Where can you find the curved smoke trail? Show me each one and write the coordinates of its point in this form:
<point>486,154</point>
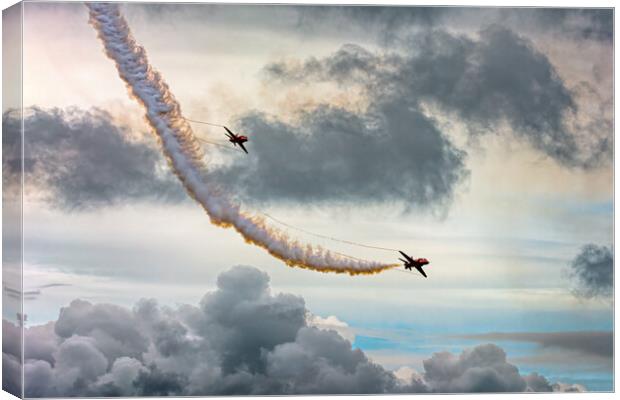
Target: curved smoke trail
<point>185,154</point>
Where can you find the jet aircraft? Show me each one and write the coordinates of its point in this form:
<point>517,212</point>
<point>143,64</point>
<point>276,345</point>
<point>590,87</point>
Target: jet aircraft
<point>236,139</point>
<point>414,263</point>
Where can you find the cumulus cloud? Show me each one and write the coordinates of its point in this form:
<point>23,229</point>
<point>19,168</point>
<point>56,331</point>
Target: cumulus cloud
<point>79,159</point>
<point>569,388</point>
<point>240,339</point>
<point>331,323</point>
<point>589,343</point>
<point>481,369</point>
<point>495,79</point>
<point>591,272</point>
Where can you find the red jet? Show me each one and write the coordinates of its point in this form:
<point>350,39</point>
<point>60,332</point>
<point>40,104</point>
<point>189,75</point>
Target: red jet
<point>411,263</point>
<point>236,139</point>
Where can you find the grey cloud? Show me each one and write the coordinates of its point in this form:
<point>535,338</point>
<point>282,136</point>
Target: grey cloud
<point>51,285</point>
<point>568,388</point>
<point>84,161</point>
<point>153,382</point>
<point>31,294</point>
<point>78,363</point>
<point>41,375</point>
<point>111,326</point>
<point>577,23</point>
<point>594,343</point>
<point>482,369</point>
<point>240,339</point>
<point>351,63</point>
<point>498,78</point>
<point>121,377</point>
<point>377,15</point>
<point>592,272</point>
<point>13,293</point>
<point>391,153</point>
<point>538,383</point>
<point>11,339</point>
<point>394,151</point>
<point>40,343</point>
<point>387,23</point>
<point>11,374</point>
<point>390,22</point>
<point>323,362</point>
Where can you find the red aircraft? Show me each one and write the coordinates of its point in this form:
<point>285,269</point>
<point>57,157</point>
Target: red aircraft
<point>411,263</point>
<point>236,139</point>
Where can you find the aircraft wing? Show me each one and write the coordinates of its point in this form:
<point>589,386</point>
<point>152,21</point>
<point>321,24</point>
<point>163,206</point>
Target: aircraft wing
<point>230,134</point>
<point>406,256</point>
<point>420,270</point>
<point>243,147</point>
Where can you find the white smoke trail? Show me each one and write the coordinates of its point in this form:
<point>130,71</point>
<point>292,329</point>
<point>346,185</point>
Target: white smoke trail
<point>185,155</point>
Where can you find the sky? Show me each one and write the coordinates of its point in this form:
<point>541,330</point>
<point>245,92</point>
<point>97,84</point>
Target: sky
<point>480,139</point>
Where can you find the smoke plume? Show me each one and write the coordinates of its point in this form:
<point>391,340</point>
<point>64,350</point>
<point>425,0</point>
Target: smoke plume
<point>185,155</point>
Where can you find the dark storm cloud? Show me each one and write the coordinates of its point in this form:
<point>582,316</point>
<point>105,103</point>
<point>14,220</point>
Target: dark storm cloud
<point>386,22</point>
<point>82,161</point>
<point>393,153</point>
<point>593,343</point>
<point>592,272</point>
<point>394,150</point>
<point>390,22</point>
<point>240,339</point>
<point>577,23</point>
<point>486,82</point>
<point>85,161</point>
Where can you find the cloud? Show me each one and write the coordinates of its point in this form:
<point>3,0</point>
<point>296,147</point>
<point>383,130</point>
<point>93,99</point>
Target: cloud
<point>11,374</point>
<point>334,155</point>
<point>568,388</point>
<point>331,323</point>
<point>31,294</point>
<point>106,324</point>
<point>240,339</point>
<point>11,339</point>
<point>390,152</point>
<point>591,272</point>
<point>394,150</point>
<point>79,159</point>
<point>576,24</point>
<point>482,369</point>
<point>495,79</point>
<point>590,343</point>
